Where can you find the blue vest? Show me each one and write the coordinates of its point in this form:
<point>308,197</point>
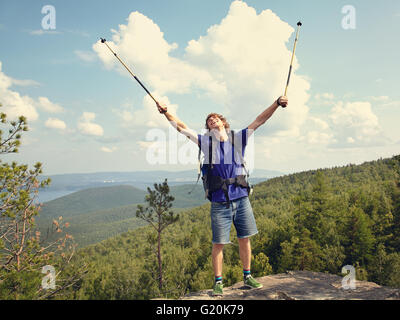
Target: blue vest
<point>224,175</point>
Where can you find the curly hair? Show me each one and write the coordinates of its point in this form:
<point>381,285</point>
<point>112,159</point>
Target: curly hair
<point>221,117</point>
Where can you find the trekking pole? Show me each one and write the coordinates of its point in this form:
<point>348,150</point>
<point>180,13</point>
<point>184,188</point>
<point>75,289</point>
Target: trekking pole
<point>133,75</point>
<point>299,24</point>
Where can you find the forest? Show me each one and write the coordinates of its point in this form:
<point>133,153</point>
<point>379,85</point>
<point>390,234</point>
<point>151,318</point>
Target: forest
<point>318,220</point>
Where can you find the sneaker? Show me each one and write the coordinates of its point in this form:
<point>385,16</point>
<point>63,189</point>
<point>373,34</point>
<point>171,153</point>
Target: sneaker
<point>218,289</point>
<point>252,283</point>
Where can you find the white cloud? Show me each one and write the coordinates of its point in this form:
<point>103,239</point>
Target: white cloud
<point>391,104</point>
<point>151,61</point>
<point>328,96</point>
<point>140,120</point>
<point>88,117</point>
<point>354,123</point>
<point>15,105</point>
<point>350,140</point>
<point>108,150</point>
<point>380,98</point>
<point>78,32</point>
<point>55,123</point>
<point>144,145</point>
<point>228,64</point>
<point>87,127</point>
<point>384,101</point>
<point>254,75</point>
<point>316,131</point>
<point>150,116</point>
<point>40,32</point>
<point>324,96</point>
<point>87,56</point>
<point>321,124</point>
<point>348,124</point>
<point>320,138</point>
<point>323,99</point>
<point>45,104</point>
<point>25,83</point>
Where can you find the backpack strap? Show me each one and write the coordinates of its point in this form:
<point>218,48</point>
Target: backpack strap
<point>210,151</point>
<point>199,168</point>
<point>239,153</point>
<point>243,162</point>
<point>209,170</point>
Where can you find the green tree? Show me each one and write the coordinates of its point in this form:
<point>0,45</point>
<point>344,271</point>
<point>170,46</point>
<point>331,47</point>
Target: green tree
<point>301,253</point>
<point>10,143</point>
<point>392,270</point>
<point>360,240</point>
<point>261,266</point>
<point>23,253</point>
<point>315,211</point>
<point>159,216</point>
<point>378,264</point>
<point>395,243</point>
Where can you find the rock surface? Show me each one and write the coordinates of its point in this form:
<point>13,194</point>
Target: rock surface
<point>301,285</point>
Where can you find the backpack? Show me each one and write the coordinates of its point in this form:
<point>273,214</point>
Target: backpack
<point>213,183</point>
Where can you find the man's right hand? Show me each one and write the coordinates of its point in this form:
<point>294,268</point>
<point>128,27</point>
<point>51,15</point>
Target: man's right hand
<point>162,108</point>
<point>282,101</point>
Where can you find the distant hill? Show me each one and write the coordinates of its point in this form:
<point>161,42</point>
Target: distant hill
<point>91,200</point>
<point>63,184</point>
<point>96,214</point>
<point>108,207</point>
<point>93,227</point>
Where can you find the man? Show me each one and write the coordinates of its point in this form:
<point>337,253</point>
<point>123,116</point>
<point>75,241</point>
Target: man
<point>231,204</point>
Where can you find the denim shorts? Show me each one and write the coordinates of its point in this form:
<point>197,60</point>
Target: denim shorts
<point>239,212</point>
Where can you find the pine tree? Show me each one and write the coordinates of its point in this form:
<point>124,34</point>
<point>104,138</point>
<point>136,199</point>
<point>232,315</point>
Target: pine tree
<point>158,215</point>
<point>315,211</point>
<point>395,243</point>
<point>23,253</point>
<point>360,238</point>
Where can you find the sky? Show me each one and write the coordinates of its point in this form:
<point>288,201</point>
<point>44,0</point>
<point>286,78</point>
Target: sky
<point>87,114</point>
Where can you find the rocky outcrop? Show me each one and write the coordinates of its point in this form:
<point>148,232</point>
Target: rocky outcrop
<point>301,285</point>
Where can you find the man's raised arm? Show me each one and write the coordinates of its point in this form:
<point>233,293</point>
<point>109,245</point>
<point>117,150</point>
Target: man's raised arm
<point>267,113</point>
<point>178,124</point>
